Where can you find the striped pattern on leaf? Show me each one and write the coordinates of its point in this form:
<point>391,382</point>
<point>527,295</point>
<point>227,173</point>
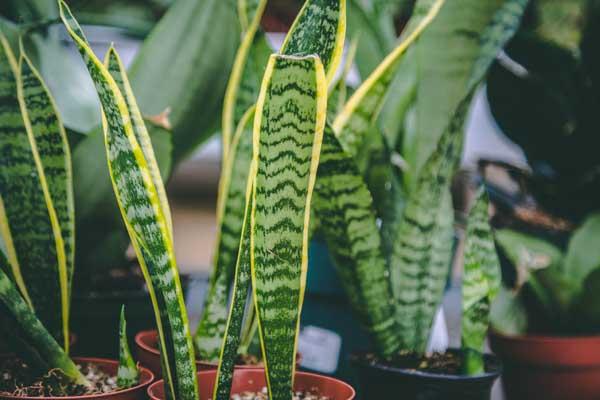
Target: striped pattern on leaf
<point>128,374</point>
<point>148,229</point>
<point>420,259</point>
<point>319,28</point>
<point>481,282</point>
<point>353,123</point>
<point>29,227</point>
<point>251,12</point>
<point>344,207</point>
<point>32,331</point>
<point>288,129</point>
<point>117,71</point>
<point>241,285</point>
<point>230,217</point>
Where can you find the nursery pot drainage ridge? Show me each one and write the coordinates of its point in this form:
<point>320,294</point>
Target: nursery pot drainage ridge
<point>253,380</point>
<point>147,353</point>
<point>137,392</point>
<point>379,380</point>
<point>551,368</point>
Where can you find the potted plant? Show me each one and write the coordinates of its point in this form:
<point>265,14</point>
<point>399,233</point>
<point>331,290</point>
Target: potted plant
<point>384,249</point>
<point>36,262</point>
<point>545,321</point>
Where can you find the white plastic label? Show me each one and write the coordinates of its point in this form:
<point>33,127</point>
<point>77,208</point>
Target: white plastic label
<point>319,348</point>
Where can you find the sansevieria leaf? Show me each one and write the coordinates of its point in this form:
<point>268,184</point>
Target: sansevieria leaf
<point>353,122</point>
<point>319,28</point>
<point>30,226</point>
<point>251,12</point>
<point>481,282</point>
<point>344,207</point>
<point>241,285</point>
<point>146,223</point>
<point>288,129</point>
<point>128,374</point>
<point>32,332</point>
<point>230,217</point>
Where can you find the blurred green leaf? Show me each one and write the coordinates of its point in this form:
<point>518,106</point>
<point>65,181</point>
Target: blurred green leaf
<point>583,253</point>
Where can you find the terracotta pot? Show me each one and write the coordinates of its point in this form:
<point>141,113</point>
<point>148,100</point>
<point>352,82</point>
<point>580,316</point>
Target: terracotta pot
<point>551,368</point>
<point>377,381</point>
<point>146,344</point>
<point>110,366</point>
<point>253,380</point>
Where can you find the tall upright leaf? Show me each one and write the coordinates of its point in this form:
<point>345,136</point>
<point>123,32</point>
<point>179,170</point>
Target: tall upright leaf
<point>29,223</point>
<point>288,129</point>
<point>32,332</point>
<point>186,58</point>
<point>353,122</point>
<point>343,205</point>
<point>148,228</point>
<point>481,283</point>
<point>230,217</point>
<point>128,374</point>
<point>250,15</point>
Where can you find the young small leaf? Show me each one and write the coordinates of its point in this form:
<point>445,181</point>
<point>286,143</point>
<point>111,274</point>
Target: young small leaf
<point>128,374</point>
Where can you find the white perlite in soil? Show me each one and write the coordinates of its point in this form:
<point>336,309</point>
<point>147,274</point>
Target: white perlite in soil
<point>263,395</point>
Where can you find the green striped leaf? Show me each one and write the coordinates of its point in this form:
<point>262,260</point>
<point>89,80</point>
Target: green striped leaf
<point>128,374</point>
<point>288,129</point>
<point>241,285</point>
<point>32,331</point>
<point>319,28</point>
<point>29,223</point>
<point>481,282</point>
<point>145,221</point>
<point>230,217</point>
<point>361,110</point>
<point>344,207</point>
<point>250,13</point>
<point>117,71</point>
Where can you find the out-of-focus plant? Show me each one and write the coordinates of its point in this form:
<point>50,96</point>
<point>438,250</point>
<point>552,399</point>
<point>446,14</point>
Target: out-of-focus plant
<point>554,291</point>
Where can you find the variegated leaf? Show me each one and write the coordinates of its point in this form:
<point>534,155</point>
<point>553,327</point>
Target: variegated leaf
<point>148,228</point>
<point>353,123</point>
<point>230,217</point>
<point>32,332</point>
<point>481,282</point>
<point>288,129</point>
<point>128,374</point>
<point>344,206</point>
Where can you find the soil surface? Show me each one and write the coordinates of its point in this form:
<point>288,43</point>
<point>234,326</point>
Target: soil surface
<point>18,379</point>
<point>247,359</point>
<point>303,395</point>
<point>448,363</point>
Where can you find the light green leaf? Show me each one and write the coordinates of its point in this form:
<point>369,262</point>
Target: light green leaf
<point>583,253</point>
<point>288,129</point>
<point>148,228</point>
<point>128,374</point>
<point>186,59</point>
<point>343,205</point>
<point>480,284</point>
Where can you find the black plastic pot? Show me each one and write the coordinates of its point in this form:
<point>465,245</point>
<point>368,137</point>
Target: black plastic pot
<point>378,381</point>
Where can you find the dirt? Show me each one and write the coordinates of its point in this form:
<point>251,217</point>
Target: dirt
<point>18,379</point>
<point>247,359</point>
<point>300,395</point>
<point>448,363</point>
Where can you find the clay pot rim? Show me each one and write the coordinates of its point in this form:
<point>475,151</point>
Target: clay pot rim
<point>146,377</point>
<point>140,341</point>
<point>359,359</point>
<point>202,374</point>
<point>548,339</point>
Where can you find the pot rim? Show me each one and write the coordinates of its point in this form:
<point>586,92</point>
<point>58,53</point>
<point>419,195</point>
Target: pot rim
<point>261,370</point>
<point>146,379</point>
<point>545,338</point>
<point>359,358</point>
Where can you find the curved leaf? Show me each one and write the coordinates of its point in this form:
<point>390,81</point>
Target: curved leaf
<point>148,229</point>
<point>288,129</point>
